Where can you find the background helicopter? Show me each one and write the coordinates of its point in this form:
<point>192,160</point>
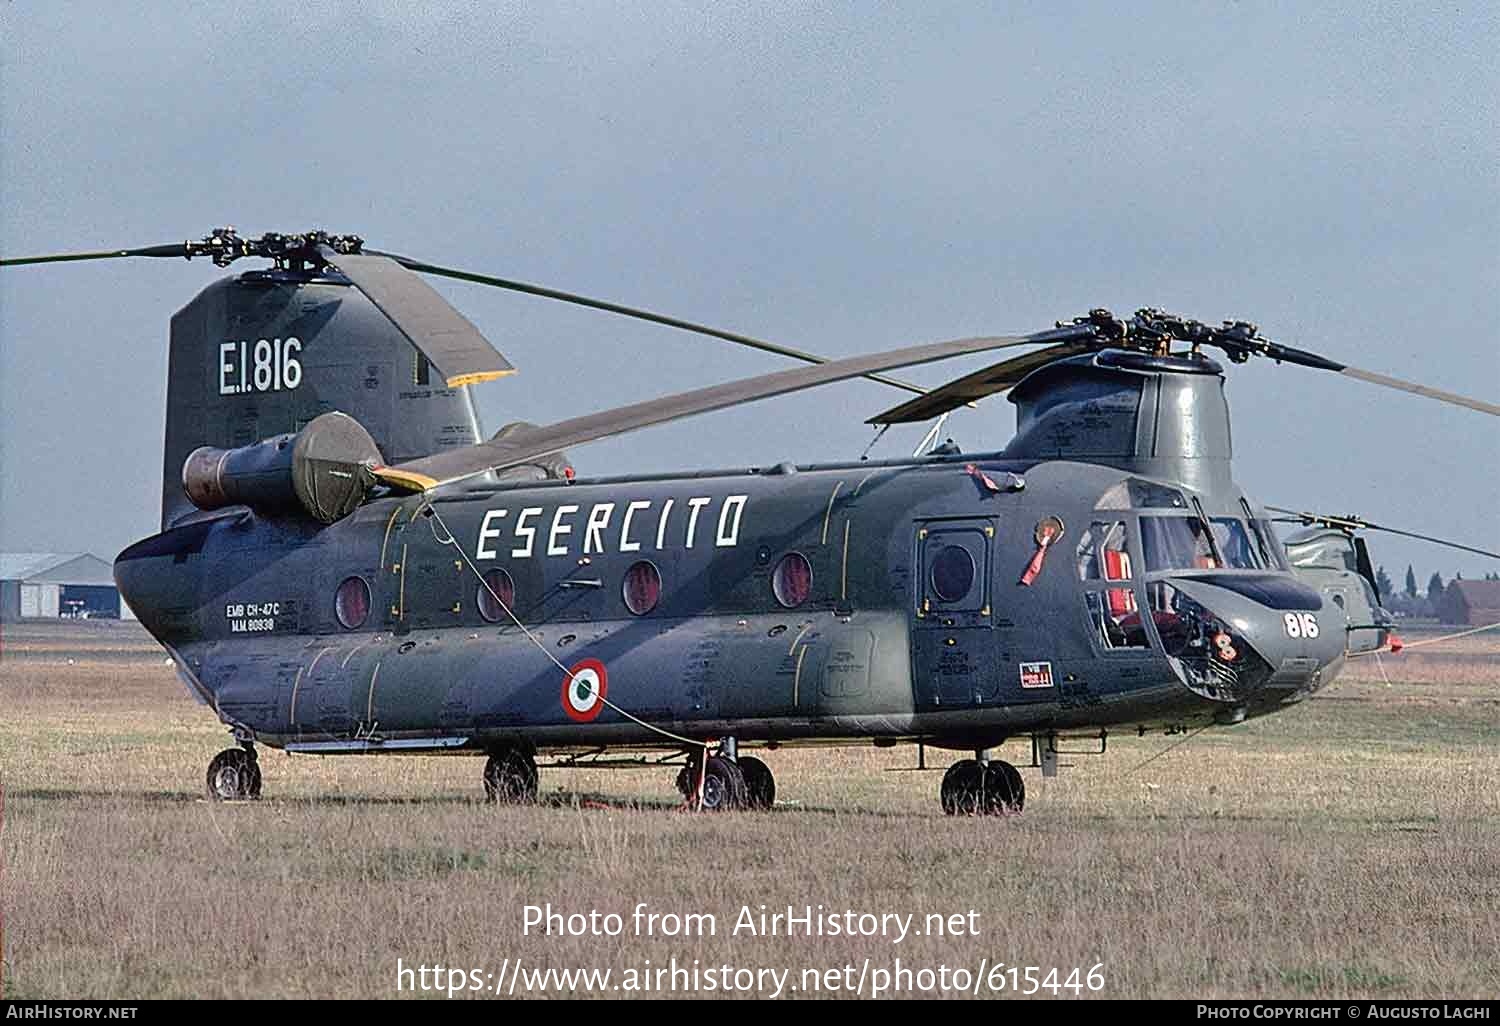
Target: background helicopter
<point>347,568</point>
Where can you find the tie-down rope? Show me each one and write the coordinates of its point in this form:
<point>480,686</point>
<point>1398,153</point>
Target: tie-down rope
<point>573,679</point>
<point>1432,641</point>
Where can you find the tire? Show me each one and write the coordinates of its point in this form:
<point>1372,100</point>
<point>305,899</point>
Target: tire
<point>760,785</point>
<point>233,776</point>
<point>723,786</point>
<point>1004,790</point>
<point>963,788</point>
<point>510,778</point>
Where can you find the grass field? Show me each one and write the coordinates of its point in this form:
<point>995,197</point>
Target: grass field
<point>1348,847</point>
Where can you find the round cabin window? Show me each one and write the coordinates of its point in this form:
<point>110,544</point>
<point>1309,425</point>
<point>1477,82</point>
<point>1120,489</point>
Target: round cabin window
<point>497,593</point>
<point>952,573</point>
<point>791,582</point>
<point>642,588</point>
<point>351,604</point>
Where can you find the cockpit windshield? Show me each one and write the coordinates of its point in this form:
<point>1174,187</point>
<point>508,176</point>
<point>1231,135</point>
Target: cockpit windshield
<point>1180,543</point>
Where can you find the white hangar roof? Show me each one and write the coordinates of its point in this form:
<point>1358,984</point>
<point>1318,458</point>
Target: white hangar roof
<point>55,568</point>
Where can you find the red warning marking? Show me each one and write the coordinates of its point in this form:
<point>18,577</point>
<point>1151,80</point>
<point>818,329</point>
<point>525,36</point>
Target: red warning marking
<point>584,689</point>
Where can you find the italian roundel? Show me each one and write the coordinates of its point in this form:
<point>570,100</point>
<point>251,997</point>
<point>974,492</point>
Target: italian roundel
<point>584,689</point>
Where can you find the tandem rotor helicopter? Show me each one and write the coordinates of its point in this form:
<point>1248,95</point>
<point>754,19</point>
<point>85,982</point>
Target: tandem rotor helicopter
<point>345,565</point>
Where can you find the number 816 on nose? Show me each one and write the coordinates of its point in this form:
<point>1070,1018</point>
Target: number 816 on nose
<point>1301,625</point>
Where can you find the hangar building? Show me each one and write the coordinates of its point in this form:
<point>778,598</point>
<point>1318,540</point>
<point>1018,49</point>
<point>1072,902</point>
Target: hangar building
<point>54,585</point>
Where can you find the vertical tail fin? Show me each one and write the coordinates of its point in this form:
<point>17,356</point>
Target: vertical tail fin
<point>264,353</point>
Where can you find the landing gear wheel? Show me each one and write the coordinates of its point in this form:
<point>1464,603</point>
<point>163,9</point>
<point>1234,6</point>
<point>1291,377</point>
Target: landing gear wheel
<point>962,792</point>
<point>760,786</point>
<point>723,785</point>
<point>510,778</point>
<point>1004,790</point>
<point>974,789</point>
<point>233,775</point>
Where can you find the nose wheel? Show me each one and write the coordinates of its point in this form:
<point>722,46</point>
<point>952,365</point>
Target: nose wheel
<point>972,788</point>
<point>234,775</point>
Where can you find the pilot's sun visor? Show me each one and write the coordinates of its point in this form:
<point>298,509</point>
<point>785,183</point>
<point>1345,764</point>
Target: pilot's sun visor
<point>1271,590</point>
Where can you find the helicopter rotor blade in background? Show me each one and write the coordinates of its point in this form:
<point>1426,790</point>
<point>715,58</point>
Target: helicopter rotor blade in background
<point>628,311</point>
<point>448,339</point>
<point>1357,524</point>
<point>970,388</point>
<point>527,446</point>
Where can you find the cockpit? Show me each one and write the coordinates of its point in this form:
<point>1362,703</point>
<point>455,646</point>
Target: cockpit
<point>1157,571</point>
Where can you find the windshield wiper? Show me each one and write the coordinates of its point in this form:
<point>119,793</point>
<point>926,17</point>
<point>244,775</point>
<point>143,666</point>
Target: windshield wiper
<point>1208,532</point>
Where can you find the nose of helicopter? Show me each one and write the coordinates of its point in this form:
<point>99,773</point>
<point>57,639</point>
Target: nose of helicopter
<point>1255,640</point>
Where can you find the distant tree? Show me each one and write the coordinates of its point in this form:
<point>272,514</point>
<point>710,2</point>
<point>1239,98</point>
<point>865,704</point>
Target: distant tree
<point>1411,582</point>
<point>1434,588</point>
<point>1492,577</point>
<point>1383,583</point>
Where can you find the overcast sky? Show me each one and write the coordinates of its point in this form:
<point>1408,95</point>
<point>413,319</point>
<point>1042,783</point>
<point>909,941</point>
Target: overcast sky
<point>839,177</point>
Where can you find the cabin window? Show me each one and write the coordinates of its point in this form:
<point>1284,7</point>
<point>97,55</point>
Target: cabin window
<point>952,573</point>
<point>642,587</point>
<point>791,582</point>
<point>351,603</point>
<point>497,593</point>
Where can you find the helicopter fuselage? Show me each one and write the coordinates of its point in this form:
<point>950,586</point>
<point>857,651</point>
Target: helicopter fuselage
<point>924,600</point>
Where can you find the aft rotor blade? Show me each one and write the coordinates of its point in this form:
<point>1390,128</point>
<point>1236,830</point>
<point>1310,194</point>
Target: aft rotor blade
<point>994,378</point>
<point>527,446</point>
<point>630,311</point>
<point>448,339</point>
<point>175,249</point>
<point>1357,524</point>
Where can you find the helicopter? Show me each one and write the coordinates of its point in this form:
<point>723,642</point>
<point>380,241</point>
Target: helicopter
<point>347,566</point>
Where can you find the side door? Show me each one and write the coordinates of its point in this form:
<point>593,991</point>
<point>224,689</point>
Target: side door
<point>954,658</point>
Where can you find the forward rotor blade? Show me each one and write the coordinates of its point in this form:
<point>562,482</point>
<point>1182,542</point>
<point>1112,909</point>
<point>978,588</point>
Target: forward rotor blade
<point>1287,354</point>
<point>176,249</point>
<point>994,378</point>
<point>1431,393</point>
<point>524,447</point>
<point>448,339</point>
<point>1356,524</point>
<point>628,311</point>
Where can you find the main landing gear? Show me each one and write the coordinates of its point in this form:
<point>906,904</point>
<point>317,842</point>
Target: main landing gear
<point>234,775</point>
<point>727,781</point>
<point>982,787</point>
<point>510,777</point>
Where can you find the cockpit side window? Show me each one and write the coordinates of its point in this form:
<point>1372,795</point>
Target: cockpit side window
<point>1104,557</point>
<point>1102,553</point>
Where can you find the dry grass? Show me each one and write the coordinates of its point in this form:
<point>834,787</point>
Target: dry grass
<point>1350,847</point>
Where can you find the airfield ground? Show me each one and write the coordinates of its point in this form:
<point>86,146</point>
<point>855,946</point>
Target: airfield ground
<point>1348,847</point>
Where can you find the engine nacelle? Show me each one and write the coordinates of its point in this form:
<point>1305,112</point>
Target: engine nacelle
<point>323,471</point>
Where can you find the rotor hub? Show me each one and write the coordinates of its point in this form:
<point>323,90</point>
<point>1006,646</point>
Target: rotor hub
<point>290,252</point>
